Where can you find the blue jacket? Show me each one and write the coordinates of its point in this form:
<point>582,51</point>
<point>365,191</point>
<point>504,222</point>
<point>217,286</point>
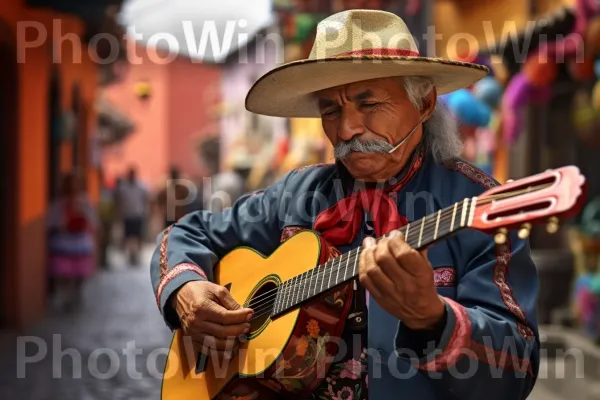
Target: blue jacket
<point>489,346</point>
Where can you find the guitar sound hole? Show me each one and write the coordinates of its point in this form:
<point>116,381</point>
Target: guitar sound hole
<point>262,303</point>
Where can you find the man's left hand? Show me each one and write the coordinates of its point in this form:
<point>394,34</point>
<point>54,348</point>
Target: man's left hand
<point>400,279</point>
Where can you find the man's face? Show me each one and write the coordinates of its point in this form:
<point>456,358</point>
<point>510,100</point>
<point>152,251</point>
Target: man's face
<point>377,112</point>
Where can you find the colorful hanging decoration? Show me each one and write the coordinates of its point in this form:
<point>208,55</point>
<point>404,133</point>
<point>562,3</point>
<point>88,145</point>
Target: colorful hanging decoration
<point>489,91</point>
<point>516,96</point>
<point>539,71</point>
<point>468,109</point>
<point>583,70</point>
<point>572,44</point>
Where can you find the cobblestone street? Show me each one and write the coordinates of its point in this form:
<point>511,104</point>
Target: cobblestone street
<point>119,310</point>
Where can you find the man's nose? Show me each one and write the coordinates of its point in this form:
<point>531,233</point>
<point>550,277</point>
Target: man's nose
<point>351,124</point>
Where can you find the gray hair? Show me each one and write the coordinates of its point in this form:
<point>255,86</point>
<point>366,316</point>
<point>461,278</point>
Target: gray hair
<point>440,131</point>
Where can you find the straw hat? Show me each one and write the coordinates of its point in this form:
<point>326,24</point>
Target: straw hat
<point>353,46</point>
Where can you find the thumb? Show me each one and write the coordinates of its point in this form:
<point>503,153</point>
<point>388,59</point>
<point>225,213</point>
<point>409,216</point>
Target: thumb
<point>227,301</point>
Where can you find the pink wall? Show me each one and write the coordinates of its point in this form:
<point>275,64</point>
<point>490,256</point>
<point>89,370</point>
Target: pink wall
<point>194,91</point>
<point>168,124</point>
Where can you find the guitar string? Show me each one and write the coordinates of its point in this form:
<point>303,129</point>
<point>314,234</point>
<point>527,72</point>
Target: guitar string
<point>426,230</point>
<point>315,277</point>
<point>484,201</point>
<point>320,275</point>
<point>322,271</point>
<point>429,227</point>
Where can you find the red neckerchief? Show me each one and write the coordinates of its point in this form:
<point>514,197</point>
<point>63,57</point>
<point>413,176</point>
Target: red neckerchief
<point>340,223</point>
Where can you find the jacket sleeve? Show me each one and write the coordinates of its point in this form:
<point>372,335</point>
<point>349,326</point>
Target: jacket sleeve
<point>189,249</point>
<point>489,346</point>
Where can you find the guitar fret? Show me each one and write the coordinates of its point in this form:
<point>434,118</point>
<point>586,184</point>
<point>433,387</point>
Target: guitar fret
<point>453,217</point>
<point>323,277</point>
<point>421,232</point>
<point>337,275</point>
<point>472,213</point>
<point>464,212</point>
<point>330,273</point>
<point>316,279</point>
<point>346,267</point>
<point>306,281</point>
<point>355,263</point>
<point>309,279</point>
<point>281,296</point>
<point>290,296</point>
<point>299,283</point>
<point>437,224</point>
<point>406,234</point>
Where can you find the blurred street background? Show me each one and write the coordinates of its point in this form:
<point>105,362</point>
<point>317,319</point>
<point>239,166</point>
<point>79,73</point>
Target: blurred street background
<point>107,101</point>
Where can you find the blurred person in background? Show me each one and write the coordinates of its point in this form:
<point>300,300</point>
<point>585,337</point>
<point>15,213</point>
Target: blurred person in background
<point>173,200</point>
<point>220,189</point>
<point>107,215</point>
<point>71,224</point>
<point>133,202</point>
<point>457,320</point>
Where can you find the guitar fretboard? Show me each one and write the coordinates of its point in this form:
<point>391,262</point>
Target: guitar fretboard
<point>418,234</point>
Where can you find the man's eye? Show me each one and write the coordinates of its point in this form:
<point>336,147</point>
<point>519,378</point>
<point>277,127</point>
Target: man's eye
<point>329,112</point>
<point>368,104</point>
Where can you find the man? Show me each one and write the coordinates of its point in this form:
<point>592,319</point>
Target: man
<point>132,205</point>
<point>455,322</point>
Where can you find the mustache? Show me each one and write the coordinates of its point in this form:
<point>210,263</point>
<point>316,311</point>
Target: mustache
<point>343,149</point>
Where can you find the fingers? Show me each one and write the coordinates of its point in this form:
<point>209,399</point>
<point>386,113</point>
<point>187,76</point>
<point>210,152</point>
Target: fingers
<point>407,258</point>
<point>369,272</point>
<point>225,298</point>
<point>216,313</point>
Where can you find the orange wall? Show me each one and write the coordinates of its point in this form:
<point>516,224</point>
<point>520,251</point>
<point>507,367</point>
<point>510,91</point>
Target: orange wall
<point>193,91</point>
<point>34,76</point>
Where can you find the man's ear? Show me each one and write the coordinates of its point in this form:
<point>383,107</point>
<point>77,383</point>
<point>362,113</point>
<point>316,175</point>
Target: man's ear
<point>429,104</point>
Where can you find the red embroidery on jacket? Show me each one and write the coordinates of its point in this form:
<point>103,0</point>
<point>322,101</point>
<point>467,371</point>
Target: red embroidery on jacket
<point>163,262</point>
<point>471,172</point>
<point>460,344</point>
<point>290,231</point>
<point>503,251</point>
<point>172,273</point>
<point>500,279</point>
<point>444,277</point>
<point>459,341</point>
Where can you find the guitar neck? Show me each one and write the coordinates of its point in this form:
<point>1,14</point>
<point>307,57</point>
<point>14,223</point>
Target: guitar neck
<point>418,234</point>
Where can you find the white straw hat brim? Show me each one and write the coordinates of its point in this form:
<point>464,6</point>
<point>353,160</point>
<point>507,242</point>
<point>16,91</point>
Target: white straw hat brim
<point>288,91</point>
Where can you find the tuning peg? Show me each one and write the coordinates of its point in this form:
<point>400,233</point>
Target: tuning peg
<point>552,226</point>
<point>500,236</point>
<point>524,231</point>
<point>510,180</point>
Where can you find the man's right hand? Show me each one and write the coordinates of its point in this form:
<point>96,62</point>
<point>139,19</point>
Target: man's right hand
<point>210,316</point>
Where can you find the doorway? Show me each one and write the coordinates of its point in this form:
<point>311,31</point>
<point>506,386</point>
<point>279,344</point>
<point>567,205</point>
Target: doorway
<point>9,151</point>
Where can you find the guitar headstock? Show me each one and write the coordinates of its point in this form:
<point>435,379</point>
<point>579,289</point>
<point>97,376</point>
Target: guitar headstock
<point>543,198</point>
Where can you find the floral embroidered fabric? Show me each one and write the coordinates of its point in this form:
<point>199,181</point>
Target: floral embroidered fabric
<point>347,378</point>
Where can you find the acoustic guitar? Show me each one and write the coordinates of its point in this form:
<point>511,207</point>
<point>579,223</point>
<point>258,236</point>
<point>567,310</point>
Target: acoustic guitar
<point>301,293</point>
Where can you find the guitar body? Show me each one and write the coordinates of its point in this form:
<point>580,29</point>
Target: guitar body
<point>284,357</point>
